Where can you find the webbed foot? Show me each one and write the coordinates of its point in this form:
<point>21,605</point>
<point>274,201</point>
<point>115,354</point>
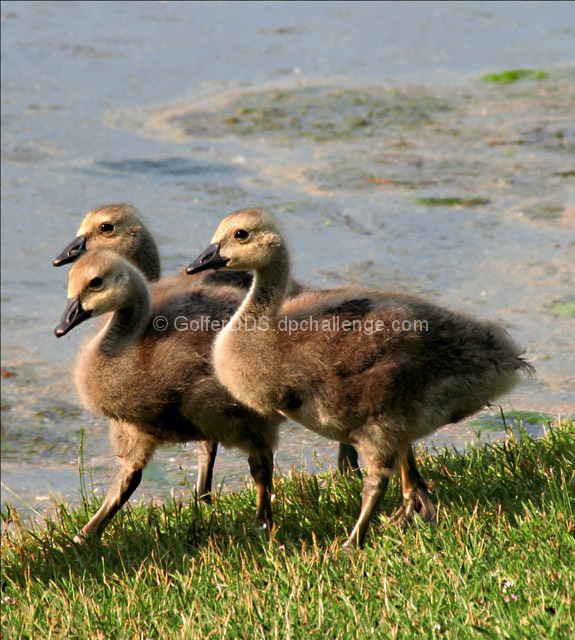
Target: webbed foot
<point>417,501</point>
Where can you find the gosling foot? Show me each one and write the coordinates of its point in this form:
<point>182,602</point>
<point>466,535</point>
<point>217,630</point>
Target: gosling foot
<point>206,498</point>
<point>348,547</point>
<point>82,538</point>
<point>418,501</point>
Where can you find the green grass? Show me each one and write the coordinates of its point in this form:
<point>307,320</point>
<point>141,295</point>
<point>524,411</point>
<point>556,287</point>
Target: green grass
<point>514,75</point>
<point>499,564</point>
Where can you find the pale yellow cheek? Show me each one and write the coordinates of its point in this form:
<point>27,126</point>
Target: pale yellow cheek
<point>271,240</point>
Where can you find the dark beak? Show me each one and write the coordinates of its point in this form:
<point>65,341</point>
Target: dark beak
<point>73,315</point>
<point>74,250</point>
<point>208,259</point>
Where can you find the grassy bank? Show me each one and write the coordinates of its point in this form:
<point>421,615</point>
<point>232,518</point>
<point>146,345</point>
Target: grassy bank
<point>499,564</point>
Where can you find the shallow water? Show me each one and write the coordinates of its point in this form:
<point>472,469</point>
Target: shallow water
<point>364,126</point>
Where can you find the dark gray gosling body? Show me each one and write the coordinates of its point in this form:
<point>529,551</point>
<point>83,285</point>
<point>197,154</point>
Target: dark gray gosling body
<point>378,389</point>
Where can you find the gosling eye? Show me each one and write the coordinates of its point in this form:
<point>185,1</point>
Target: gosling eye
<point>106,227</point>
<point>241,234</point>
<point>95,283</point>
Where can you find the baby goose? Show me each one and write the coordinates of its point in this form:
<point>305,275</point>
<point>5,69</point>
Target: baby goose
<point>119,227</point>
<point>372,369</point>
<point>157,386</point>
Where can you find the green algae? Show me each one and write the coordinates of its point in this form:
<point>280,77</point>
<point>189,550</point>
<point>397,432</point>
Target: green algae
<point>452,202</point>
<point>320,114</point>
<point>563,309</point>
<point>514,75</point>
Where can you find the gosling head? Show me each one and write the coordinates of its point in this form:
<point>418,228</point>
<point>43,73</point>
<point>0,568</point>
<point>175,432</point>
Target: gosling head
<point>246,240</point>
<point>116,227</point>
<point>98,283</point>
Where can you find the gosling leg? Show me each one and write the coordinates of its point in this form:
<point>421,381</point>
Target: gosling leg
<point>206,458</point>
<point>415,493</point>
<point>348,460</point>
<point>262,469</point>
<point>133,450</point>
<point>373,491</point>
<point>123,486</point>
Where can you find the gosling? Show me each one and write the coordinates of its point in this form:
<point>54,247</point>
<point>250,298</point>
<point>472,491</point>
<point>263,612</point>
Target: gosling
<point>157,386</point>
<point>379,390</point>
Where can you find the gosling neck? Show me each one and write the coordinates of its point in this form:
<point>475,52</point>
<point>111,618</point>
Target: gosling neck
<point>269,288</point>
<point>128,323</point>
<point>147,258</point>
